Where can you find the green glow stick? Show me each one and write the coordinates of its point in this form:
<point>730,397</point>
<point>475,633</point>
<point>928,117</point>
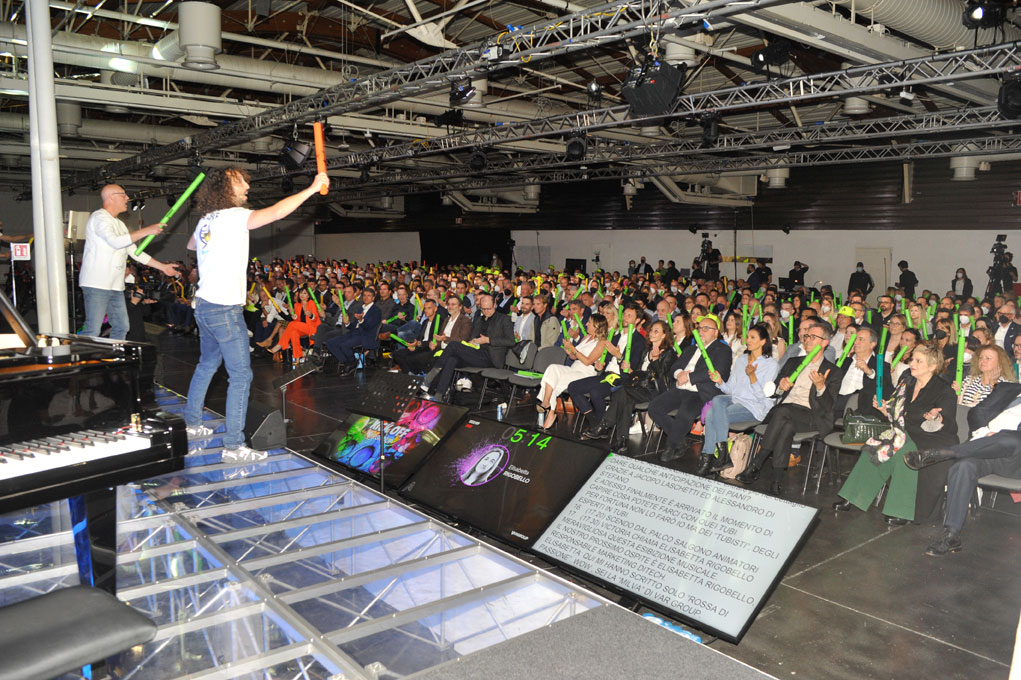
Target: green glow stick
<point>882,341</point>
<point>627,348</point>
<point>398,339</point>
<point>908,317</point>
<point>879,379</point>
<point>705,355</point>
<point>868,316</point>
<point>805,362</point>
<point>563,326</point>
<point>393,318</point>
<point>790,331</point>
<point>581,327</point>
<point>436,326</point>
<point>900,355</point>
<point>847,349</point>
<point>312,295</point>
<point>961,343</point>
<point>470,344</point>
<point>289,303</point>
<point>173,209</point>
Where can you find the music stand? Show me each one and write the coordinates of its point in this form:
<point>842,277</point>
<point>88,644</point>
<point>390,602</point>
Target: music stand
<point>286,379</point>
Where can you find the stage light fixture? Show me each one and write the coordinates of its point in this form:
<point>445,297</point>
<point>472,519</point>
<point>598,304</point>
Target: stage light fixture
<point>787,229</point>
<point>777,53</point>
<point>710,131</point>
<point>1008,101</point>
<point>478,161</point>
<point>450,118</point>
<point>693,229</point>
<point>461,92</point>
<point>983,14</point>
<point>294,154</point>
<point>595,90</point>
<point>577,147</point>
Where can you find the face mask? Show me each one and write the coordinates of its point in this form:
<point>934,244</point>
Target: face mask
<point>730,288</point>
<point>960,275</point>
<point>964,319</point>
<point>826,309</point>
<point>762,290</point>
<point>985,310</point>
<point>967,357</point>
<point>898,297</point>
<point>784,314</point>
<point>1003,318</point>
<point>860,269</point>
<point>939,335</point>
<point>129,279</point>
<point>673,288</point>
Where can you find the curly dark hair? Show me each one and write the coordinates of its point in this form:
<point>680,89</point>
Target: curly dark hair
<point>217,190</point>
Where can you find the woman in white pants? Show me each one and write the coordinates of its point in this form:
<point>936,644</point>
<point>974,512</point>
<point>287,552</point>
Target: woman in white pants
<point>586,353</point>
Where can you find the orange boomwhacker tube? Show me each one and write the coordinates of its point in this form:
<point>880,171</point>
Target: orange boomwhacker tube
<point>317,131</point>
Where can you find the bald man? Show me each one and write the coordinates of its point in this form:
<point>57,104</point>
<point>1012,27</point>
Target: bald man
<point>108,243</point>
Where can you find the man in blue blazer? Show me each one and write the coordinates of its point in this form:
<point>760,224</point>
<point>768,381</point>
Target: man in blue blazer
<point>366,327</point>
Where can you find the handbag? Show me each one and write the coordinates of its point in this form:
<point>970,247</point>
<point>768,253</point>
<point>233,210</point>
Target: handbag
<point>859,428</point>
<point>740,455</point>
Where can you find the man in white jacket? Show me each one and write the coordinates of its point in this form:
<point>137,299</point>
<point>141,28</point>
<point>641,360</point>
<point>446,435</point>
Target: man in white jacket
<point>108,243</point>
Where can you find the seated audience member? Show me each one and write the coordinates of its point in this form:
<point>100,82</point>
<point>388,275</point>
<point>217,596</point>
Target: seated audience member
<point>922,412</point>
<point>772,323</point>
<point>589,394</point>
<point>417,357</point>
<point>547,323</point>
<point>743,398</point>
<point>306,321</point>
<point>994,448</point>
<point>491,334</point>
<point>992,367</point>
<point>650,376</point>
<point>456,327</point>
<point>683,331</point>
<point>693,387</point>
<point>909,339</point>
<point>526,324</point>
<point>363,333</point>
<point>897,324</point>
<point>1007,327</point>
<point>271,322</point>
<point>732,333</point>
<point>584,355</point>
<point>805,405</point>
<point>859,372</point>
<point>338,317</point>
<point>796,351</point>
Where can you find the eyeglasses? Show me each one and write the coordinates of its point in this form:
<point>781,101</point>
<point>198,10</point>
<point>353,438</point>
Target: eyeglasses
<point>120,193</point>
<point>707,328</point>
<point>817,337</point>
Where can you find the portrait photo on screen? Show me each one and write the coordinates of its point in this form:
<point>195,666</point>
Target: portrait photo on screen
<point>507,481</point>
<point>358,441</point>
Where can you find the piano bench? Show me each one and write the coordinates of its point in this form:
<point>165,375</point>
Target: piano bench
<point>61,631</point>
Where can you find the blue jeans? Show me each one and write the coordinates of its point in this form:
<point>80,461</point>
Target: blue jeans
<point>722,413</point>
<point>223,337</point>
<point>101,303</point>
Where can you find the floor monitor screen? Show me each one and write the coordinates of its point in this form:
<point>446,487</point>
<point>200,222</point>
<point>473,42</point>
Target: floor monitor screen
<point>509,482</point>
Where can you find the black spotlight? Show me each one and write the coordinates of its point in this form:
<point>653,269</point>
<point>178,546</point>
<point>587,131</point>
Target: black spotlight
<point>450,118</point>
<point>294,154</point>
<point>693,229</point>
<point>137,204</point>
<point>577,146</point>
<point>710,131</point>
<point>983,14</point>
<point>478,161</point>
<point>777,53</point>
<point>461,91</point>
<point>594,90</point>
<point>787,229</point>
<point>1009,99</point>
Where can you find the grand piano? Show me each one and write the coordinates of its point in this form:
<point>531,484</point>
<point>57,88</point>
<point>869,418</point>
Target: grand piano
<point>78,416</point>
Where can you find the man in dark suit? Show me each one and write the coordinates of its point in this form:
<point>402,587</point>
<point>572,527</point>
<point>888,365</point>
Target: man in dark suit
<point>337,321</point>
<point>1008,327</point>
<point>807,404</point>
<point>366,326</point>
<point>417,357</point>
<point>993,449</point>
<point>693,388</point>
<point>859,372</point>
<point>491,336</point>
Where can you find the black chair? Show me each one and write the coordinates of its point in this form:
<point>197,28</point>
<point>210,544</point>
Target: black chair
<point>59,632</point>
<point>544,358</point>
<point>513,365</point>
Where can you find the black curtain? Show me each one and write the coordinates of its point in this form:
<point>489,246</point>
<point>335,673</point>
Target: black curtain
<point>465,246</point>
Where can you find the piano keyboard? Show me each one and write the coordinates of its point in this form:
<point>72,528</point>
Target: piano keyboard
<point>62,451</point>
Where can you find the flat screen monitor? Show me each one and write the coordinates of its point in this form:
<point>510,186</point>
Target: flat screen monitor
<point>357,442</point>
<point>507,481</point>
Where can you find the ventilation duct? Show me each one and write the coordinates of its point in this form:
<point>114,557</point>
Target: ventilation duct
<point>69,119</point>
<point>776,178</point>
<point>964,167</point>
<point>199,34</point>
<point>677,52</point>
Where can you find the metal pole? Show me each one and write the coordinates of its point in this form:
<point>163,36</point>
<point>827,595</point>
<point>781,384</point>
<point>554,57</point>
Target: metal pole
<point>42,294</point>
<point>40,45</point>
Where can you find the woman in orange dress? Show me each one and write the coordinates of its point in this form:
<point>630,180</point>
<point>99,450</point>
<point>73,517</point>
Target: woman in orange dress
<point>306,321</point>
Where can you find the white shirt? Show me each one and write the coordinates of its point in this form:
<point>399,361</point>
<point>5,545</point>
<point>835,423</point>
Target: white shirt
<point>448,329</point>
<point>107,247</point>
<point>1006,420</point>
<point>1001,333</point>
<point>221,243</point>
<point>854,378</point>
<point>689,386</point>
<point>614,365</point>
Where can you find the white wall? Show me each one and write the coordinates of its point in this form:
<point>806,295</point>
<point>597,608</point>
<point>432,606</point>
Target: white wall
<point>370,247</point>
<point>933,255</point>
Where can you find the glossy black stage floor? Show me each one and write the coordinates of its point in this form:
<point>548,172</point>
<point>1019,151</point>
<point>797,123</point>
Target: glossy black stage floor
<point>861,600</point>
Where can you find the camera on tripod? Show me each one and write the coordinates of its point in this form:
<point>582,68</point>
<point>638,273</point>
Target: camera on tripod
<point>998,270</point>
<point>708,259</point>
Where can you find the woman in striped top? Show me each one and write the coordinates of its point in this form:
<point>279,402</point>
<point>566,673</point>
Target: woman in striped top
<point>993,366</point>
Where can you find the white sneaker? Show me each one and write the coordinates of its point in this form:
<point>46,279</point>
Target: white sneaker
<point>244,453</point>
<point>199,432</point>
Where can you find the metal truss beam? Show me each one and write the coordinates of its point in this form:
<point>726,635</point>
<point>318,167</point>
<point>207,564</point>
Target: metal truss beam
<point>778,139</point>
<point>570,33</point>
<point>706,164</point>
<point>940,68</point>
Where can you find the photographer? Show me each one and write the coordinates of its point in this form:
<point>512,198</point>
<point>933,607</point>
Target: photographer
<point>135,298</point>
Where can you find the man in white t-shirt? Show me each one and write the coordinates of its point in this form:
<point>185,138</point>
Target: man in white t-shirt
<point>108,243</point>
<point>221,243</point>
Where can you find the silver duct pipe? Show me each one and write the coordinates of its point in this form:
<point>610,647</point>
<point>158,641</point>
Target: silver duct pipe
<point>47,141</point>
<point>933,22</point>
